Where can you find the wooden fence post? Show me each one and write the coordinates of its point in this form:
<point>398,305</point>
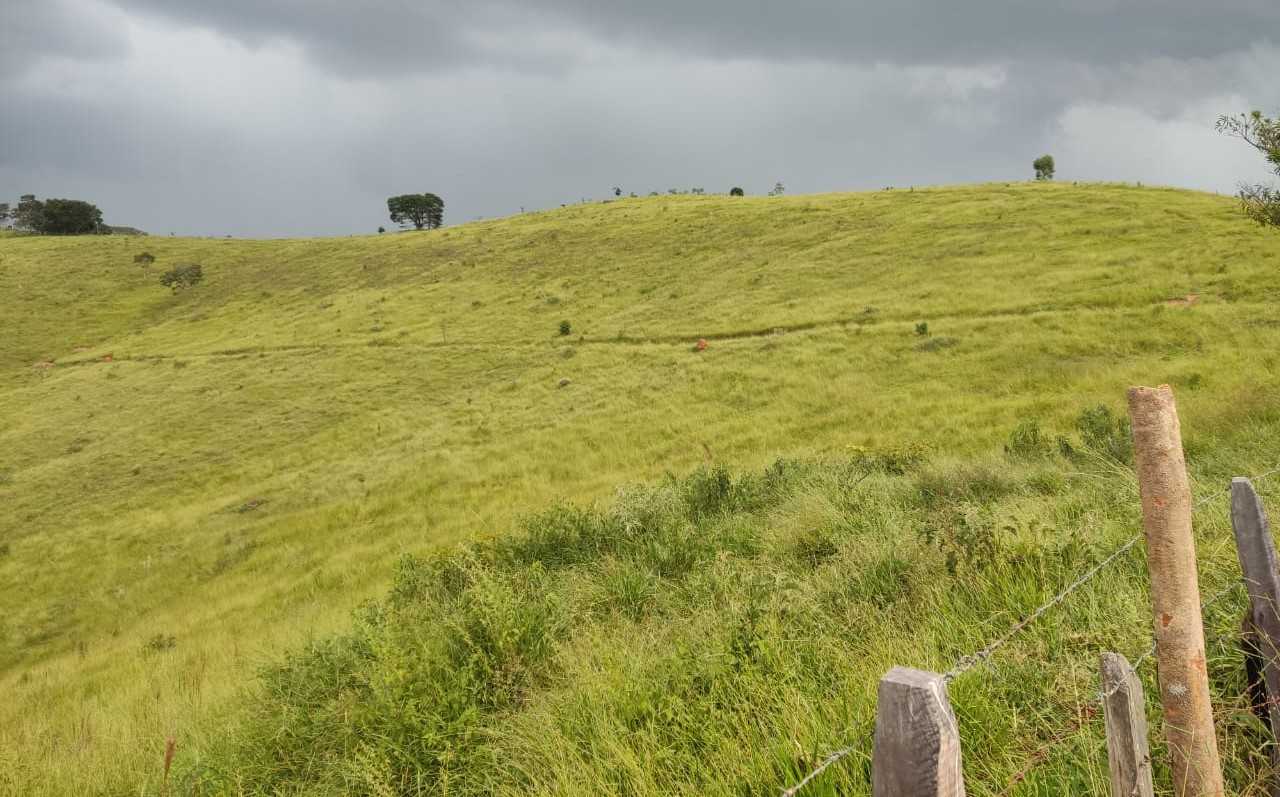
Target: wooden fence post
<point>1175,593</point>
<point>1126,713</point>
<point>1251,650</point>
<point>917,743</point>
<point>1257,553</point>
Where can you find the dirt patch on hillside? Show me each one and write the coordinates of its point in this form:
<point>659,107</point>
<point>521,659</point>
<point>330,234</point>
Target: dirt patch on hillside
<point>1183,301</point>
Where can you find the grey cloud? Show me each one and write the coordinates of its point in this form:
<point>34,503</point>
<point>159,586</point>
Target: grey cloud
<point>300,118</point>
<point>33,31</point>
<point>389,35</point>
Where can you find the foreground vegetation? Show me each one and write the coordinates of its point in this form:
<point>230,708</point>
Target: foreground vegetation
<point>196,480</point>
<point>715,635</point>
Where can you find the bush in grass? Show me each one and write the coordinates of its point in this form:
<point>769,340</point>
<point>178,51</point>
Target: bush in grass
<point>937,344</point>
<point>893,460</point>
<point>967,536</point>
<point>1026,441</point>
<point>160,643</point>
<point>183,276</point>
<point>565,329</point>
<point>1105,433</point>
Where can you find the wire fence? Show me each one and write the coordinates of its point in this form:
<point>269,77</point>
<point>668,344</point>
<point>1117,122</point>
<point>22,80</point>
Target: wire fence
<point>969,661</point>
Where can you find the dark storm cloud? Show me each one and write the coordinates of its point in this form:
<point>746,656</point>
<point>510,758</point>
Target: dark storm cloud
<point>299,117</point>
<point>425,35</point>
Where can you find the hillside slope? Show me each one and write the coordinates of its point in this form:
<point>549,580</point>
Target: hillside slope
<point>193,481</point>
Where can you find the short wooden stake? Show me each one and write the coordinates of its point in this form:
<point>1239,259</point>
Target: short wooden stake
<point>1126,713</point>
<point>1257,552</point>
<point>1175,593</point>
<point>917,744</point>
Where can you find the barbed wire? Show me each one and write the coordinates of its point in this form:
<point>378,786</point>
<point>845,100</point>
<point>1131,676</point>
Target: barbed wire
<point>969,661</point>
<point>1089,710</point>
<point>828,761</point>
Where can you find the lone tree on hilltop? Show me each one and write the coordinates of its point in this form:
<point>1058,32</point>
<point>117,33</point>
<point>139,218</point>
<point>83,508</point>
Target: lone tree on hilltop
<point>423,211</point>
<point>58,216</point>
<point>1261,202</point>
<point>736,191</point>
<point>1044,167</point>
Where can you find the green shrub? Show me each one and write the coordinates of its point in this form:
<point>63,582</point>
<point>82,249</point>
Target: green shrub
<point>922,329</point>
<point>978,484</point>
<point>892,460</point>
<point>628,588</point>
<point>1104,433</point>
<point>182,276</point>
<point>708,491</point>
<point>938,344</point>
<point>1065,448</point>
<point>815,546</point>
<point>565,328</point>
<point>967,536</point>
<point>1026,441</point>
<point>160,643</point>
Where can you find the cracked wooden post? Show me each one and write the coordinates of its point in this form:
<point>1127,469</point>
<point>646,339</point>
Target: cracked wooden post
<point>917,744</point>
<point>1126,712</point>
<point>1257,553</point>
<point>1175,593</point>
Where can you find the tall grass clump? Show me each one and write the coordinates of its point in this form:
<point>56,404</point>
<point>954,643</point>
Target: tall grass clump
<point>712,633</point>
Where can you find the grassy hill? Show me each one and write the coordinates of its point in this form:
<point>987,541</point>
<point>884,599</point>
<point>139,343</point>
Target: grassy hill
<point>195,482</point>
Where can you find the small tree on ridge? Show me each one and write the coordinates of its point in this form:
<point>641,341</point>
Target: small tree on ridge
<point>423,211</point>
<point>1044,167</point>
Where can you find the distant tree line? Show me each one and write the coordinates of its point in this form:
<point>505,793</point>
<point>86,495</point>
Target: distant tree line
<point>54,216</point>
<point>735,191</point>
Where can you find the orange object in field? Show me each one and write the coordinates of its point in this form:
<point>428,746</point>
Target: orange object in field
<point>702,344</point>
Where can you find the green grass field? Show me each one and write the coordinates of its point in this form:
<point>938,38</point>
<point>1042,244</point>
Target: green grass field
<point>609,586</point>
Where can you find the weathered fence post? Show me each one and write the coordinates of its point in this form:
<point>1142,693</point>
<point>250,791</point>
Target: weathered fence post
<point>1257,553</point>
<point>917,744</point>
<point>1251,649</point>
<point>1126,716</point>
<point>1175,593</point>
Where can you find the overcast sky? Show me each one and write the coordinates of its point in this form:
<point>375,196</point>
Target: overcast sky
<point>299,117</point>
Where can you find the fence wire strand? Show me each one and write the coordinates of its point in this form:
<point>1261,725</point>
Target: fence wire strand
<point>972,660</point>
<point>969,661</point>
<point>1090,709</point>
<point>826,762</point>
